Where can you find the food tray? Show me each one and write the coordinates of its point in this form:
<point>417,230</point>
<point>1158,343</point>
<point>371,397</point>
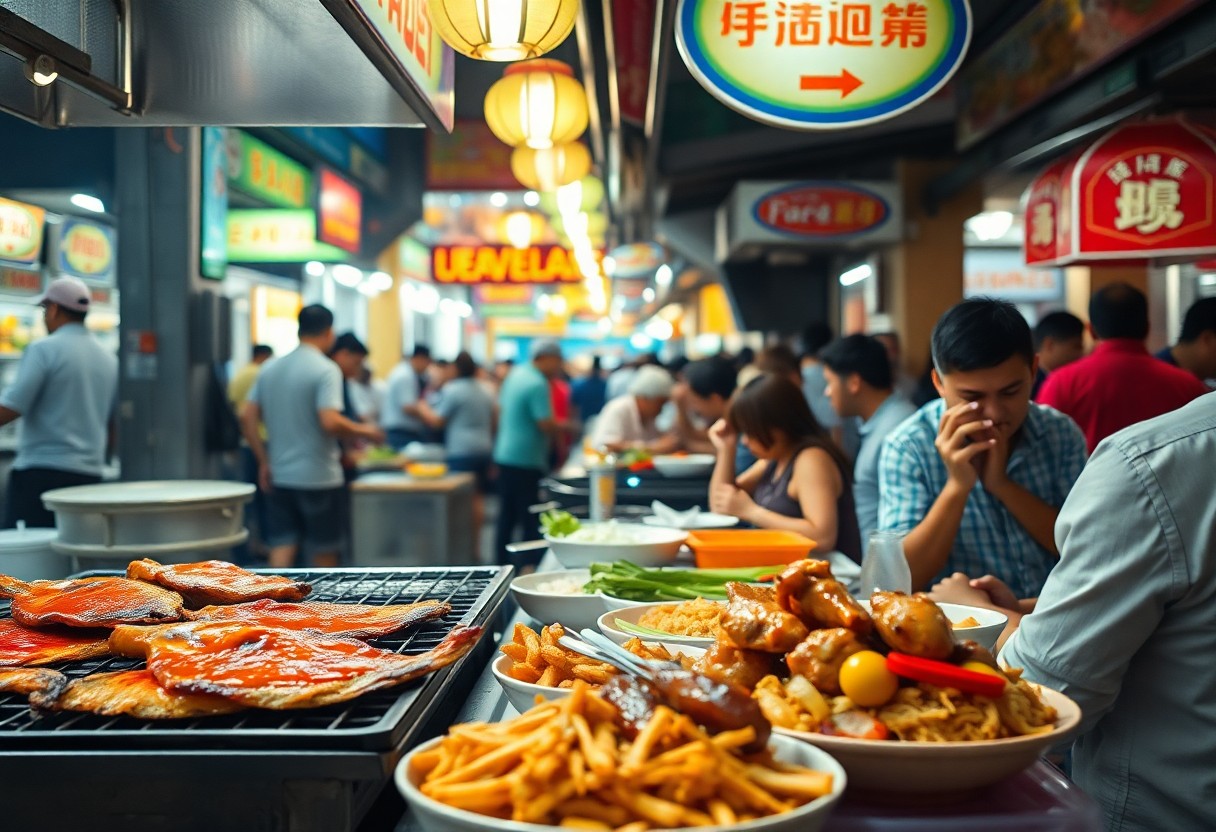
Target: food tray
<point>740,548</point>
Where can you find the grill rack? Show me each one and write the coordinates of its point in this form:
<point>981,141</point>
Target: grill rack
<point>373,722</point>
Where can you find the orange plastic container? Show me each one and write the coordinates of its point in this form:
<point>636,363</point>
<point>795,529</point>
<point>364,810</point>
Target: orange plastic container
<point>737,548</point>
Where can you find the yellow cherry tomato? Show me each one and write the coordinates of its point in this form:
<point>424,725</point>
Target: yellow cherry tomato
<point>865,679</point>
<point>980,667</point>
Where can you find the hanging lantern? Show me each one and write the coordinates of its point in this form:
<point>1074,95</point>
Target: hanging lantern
<point>503,30</point>
<point>522,228</point>
<point>538,104</point>
<point>584,195</point>
<point>582,224</point>
<point>549,169</point>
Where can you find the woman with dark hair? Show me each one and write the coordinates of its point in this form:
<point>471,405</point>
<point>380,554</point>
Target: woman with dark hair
<point>800,482</point>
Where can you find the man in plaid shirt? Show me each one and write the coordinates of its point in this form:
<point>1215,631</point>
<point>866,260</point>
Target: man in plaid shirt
<point>974,480</point>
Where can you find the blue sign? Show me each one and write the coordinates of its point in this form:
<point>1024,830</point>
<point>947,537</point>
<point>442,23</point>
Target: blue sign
<point>213,213</point>
<point>87,250</point>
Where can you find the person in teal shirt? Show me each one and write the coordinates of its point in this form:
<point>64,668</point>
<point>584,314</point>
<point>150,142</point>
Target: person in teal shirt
<point>525,425</point>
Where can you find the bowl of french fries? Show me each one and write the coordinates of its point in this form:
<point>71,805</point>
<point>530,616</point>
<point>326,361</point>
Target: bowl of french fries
<point>534,664</point>
<point>568,764</point>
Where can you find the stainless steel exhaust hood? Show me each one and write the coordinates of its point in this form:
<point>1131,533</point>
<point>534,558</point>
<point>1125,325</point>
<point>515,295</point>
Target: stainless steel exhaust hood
<point>225,62</point>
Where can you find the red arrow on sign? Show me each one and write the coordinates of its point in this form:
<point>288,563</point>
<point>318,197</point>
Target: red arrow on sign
<point>846,82</point>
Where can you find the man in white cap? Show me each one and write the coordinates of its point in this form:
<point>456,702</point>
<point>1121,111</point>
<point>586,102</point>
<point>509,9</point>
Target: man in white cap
<point>64,395</point>
<point>629,421</point>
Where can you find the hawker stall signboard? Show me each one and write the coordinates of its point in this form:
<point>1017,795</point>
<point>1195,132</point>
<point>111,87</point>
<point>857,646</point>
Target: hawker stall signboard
<point>21,228</point>
<point>86,250</point>
<point>811,213</point>
<point>822,65</point>
<point>339,211</point>
<point>541,265</point>
<point>277,236</point>
<point>1146,190</point>
<point>1045,214</point>
<point>257,169</point>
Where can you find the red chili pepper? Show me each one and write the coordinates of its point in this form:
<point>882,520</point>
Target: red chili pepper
<point>945,675</point>
<point>645,465</point>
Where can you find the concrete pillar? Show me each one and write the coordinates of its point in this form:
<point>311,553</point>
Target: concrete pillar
<point>384,325</point>
<point>167,345</point>
<point>925,272</point>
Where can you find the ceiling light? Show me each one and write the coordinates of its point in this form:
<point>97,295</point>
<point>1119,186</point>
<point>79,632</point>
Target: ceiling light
<point>605,325</point>
<point>367,289</point>
<point>1207,280</point>
<point>662,275</point>
<point>503,30</point>
<point>640,342</point>
<point>559,306</point>
<point>659,329</point>
<point>531,199</point>
<point>380,281</point>
<point>648,294</point>
<point>609,265</point>
<point>426,300</point>
<point>347,275</point>
<point>313,268</point>
<point>990,225</point>
<point>856,275</point>
<point>518,229</point>
<point>88,203</point>
<point>498,199</point>
<point>41,70</point>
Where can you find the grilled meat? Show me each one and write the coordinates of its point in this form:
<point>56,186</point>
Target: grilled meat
<point>808,590</point>
<point>26,646</point>
<point>217,582</point>
<point>264,667</point>
<point>635,700</point>
<point>755,621</point>
<point>820,656</point>
<point>973,651</point>
<point>132,693</point>
<point>724,662</point>
<point>716,706</point>
<point>31,680</point>
<point>347,620</point>
<point>912,624</point>
<point>90,602</point>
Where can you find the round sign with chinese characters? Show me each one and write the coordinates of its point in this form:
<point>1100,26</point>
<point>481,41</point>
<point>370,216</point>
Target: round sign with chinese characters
<point>822,65</point>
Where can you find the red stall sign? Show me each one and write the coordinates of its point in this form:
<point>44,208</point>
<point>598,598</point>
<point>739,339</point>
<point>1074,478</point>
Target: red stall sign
<point>1146,191</point>
<point>1040,242</point>
<point>827,210</point>
<point>339,212</point>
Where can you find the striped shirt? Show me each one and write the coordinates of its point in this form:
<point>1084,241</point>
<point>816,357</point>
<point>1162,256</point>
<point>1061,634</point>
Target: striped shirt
<point>1046,461</point>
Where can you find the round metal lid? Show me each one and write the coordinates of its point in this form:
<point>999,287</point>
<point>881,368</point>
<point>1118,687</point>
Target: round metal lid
<point>152,493</point>
<point>24,540</point>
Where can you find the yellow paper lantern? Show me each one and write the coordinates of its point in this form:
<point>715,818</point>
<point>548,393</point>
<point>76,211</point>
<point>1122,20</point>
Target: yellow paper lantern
<point>538,104</point>
<point>549,169</point>
<point>585,194</point>
<point>503,30</point>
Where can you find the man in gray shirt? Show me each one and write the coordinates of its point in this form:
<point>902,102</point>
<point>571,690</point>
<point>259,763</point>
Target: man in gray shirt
<point>401,420</point>
<point>299,397</point>
<point>1124,622</point>
<point>64,395</point>
<point>857,372</point>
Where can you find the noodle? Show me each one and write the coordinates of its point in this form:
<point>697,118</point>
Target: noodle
<point>926,713</point>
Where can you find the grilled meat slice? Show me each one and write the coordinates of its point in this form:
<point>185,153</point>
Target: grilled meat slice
<point>90,602</point>
<point>131,693</point>
<point>753,620</point>
<point>724,662</point>
<point>808,590</point>
<point>912,624</point>
<point>26,646</point>
<point>347,620</point>
<point>32,680</point>
<point>264,667</point>
<point>820,656</point>
<point>217,582</point>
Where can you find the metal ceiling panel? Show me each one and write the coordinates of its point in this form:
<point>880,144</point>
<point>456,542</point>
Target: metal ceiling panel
<point>225,62</point>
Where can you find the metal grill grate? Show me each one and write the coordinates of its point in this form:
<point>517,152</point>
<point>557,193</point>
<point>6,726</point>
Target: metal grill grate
<point>371,722</point>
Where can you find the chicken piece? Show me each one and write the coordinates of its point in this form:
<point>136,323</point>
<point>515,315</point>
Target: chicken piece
<point>90,602</point>
<point>724,662</point>
<point>753,620</point>
<point>26,646</point>
<point>264,667</point>
<point>131,693</point>
<point>912,624</point>
<point>30,680</point>
<point>346,620</point>
<point>973,651</point>
<point>808,590</point>
<point>217,582</point>
<point>820,656</point>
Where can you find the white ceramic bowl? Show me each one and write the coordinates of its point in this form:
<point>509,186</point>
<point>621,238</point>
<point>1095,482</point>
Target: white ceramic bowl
<point>631,614</point>
<point>651,547</point>
<point>689,465</point>
<point>992,623</point>
<point>929,767</point>
<point>522,695</point>
<point>576,612</point>
<point>434,816</point>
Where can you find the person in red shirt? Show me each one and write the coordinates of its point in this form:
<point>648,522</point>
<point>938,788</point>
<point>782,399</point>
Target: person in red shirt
<point>1119,383</point>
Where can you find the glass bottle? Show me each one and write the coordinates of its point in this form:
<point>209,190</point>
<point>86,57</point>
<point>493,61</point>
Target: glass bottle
<point>884,565</point>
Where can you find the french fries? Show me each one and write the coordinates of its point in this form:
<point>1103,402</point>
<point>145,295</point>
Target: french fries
<point>566,763</point>
<point>538,658</point>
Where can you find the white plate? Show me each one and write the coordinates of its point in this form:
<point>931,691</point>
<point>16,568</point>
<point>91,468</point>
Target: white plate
<point>607,626</point>
<point>704,520</point>
<point>574,611</point>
